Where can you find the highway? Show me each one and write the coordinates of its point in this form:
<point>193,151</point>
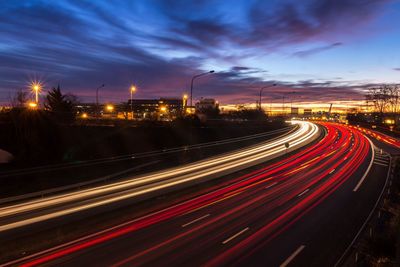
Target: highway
<point>302,210</point>
<point>147,185</point>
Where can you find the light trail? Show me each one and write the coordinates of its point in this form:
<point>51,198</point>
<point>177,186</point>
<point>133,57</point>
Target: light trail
<point>22,214</point>
<point>238,205</point>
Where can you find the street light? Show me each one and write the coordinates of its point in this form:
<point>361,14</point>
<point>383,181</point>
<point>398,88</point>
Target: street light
<point>97,99</point>
<point>163,109</point>
<point>32,105</point>
<point>191,84</point>
<point>184,103</point>
<point>110,108</point>
<point>133,90</point>
<point>36,87</point>
<point>261,90</point>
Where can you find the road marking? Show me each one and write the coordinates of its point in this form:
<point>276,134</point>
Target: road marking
<point>302,193</point>
<point>381,161</point>
<point>331,171</point>
<point>381,164</point>
<point>291,257</point>
<point>367,219</point>
<point>196,220</point>
<point>369,166</point>
<point>235,235</point>
<point>271,185</point>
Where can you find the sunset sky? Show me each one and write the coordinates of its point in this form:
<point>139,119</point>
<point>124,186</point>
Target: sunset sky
<point>316,51</point>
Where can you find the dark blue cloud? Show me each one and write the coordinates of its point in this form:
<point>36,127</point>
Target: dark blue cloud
<point>159,45</point>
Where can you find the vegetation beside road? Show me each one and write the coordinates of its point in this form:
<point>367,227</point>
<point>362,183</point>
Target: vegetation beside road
<point>380,245</point>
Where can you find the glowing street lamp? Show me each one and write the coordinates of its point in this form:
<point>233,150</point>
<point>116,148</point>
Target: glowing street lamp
<point>133,90</point>
<point>110,108</point>
<point>32,105</point>
<point>184,102</point>
<point>36,87</point>
<point>163,109</point>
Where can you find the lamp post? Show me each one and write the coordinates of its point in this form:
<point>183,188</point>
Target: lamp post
<point>133,90</point>
<point>36,88</point>
<point>191,84</point>
<point>261,90</point>
<point>184,103</point>
<point>97,100</point>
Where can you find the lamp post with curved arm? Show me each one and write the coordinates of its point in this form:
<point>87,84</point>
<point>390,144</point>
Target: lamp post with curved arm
<point>261,90</point>
<point>191,84</point>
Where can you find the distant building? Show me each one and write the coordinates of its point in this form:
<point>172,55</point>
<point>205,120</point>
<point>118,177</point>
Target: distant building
<point>156,109</point>
<point>207,108</point>
<point>307,112</point>
<point>294,111</point>
<point>206,104</point>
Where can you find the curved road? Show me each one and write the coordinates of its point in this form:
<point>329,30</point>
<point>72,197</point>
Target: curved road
<point>302,210</point>
<point>30,212</point>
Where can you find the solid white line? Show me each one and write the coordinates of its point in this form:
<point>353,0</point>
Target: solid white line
<point>380,164</point>
<point>369,166</point>
<point>291,257</point>
<point>235,235</point>
<point>271,185</point>
<point>331,171</point>
<point>366,220</point>
<point>302,193</point>
<point>196,220</point>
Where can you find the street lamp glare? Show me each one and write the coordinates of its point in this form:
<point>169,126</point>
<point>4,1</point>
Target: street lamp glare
<point>133,89</point>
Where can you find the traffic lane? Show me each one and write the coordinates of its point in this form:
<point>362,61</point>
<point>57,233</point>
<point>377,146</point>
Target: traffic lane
<point>71,206</point>
<point>157,181</point>
<point>66,174</point>
<point>136,262</point>
<point>328,229</point>
<point>173,227</point>
<point>99,218</point>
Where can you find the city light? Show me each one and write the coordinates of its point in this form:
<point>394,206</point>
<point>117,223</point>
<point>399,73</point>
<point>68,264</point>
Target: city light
<point>84,115</point>
<point>163,109</point>
<point>32,105</point>
<point>132,91</point>
<point>389,121</point>
<point>36,88</point>
<point>110,108</point>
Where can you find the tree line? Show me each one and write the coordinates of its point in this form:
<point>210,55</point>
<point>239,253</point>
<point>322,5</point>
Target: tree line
<point>385,98</point>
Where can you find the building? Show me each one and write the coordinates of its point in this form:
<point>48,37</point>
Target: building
<point>206,104</point>
<point>156,109</point>
<point>307,112</point>
<point>294,111</point>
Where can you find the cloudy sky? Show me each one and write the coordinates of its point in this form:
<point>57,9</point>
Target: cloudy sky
<point>316,50</point>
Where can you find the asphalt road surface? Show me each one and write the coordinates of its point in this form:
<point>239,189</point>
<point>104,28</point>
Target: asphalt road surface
<point>301,211</point>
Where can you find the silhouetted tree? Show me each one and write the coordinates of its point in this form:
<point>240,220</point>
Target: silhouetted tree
<point>20,99</point>
<point>60,106</point>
